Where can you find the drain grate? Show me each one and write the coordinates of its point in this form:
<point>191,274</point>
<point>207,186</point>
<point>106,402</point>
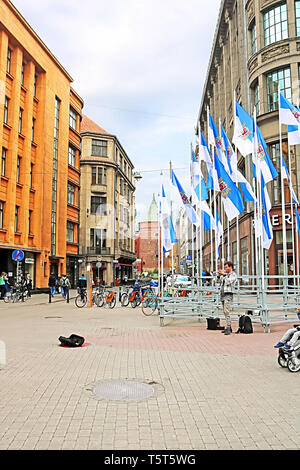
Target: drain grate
<point>124,390</point>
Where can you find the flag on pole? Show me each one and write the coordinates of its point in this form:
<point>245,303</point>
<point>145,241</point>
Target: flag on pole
<point>231,196</point>
<point>262,160</point>
<point>219,231</point>
<point>286,176</point>
<point>204,154</point>
<point>208,218</point>
<point>243,136</point>
<point>288,113</point>
<point>165,227</point>
<point>247,190</point>
<point>230,154</point>
<point>215,140</point>
<point>267,229</point>
<point>293,135</point>
<point>190,211</point>
<point>199,191</point>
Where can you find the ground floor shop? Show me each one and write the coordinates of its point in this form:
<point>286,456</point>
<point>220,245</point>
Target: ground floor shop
<point>28,265</point>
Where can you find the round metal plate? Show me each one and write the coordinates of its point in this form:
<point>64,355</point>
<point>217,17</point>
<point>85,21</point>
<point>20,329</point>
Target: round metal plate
<point>124,390</point>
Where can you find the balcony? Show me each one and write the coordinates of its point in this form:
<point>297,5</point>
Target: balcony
<point>98,250</point>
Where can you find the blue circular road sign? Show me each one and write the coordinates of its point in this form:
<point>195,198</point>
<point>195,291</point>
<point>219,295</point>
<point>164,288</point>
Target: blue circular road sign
<point>18,255</point>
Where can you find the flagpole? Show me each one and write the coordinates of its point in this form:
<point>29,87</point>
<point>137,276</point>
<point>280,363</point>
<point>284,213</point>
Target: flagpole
<point>158,245</point>
<point>161,243</point>
<point>283,223</point>
<point>297,246</point>
<point>200,221</point>
<point>260,248</point>
<point>292,213</point>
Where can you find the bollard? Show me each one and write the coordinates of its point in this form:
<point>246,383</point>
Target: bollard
<point>68,295</point>
<point>50,296</point>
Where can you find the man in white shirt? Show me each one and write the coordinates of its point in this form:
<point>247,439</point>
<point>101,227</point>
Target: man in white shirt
<point>228,280</point>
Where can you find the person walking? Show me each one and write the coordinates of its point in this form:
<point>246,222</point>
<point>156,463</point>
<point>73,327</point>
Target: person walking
<point>65,285</point>
<point>228,279</point>
<point>52,284</point>
<point>3,280</point>
<point>28,284</point>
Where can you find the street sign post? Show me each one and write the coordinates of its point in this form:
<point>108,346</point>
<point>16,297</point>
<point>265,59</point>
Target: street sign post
<point>17,255</point>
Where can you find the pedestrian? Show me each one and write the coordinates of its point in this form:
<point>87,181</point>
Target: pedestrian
<point>227,280</point>
<point>125,279</point>
<point>6,284</point>
<point>28,284</point>
<point>82,282</point>
<point>3,280</point>
<point>52,284</point>
<point>65,285</point>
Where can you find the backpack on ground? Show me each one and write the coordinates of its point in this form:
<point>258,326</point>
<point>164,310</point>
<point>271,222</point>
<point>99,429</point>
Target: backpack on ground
<point>214,324</point>
<point>245,325</point>
<point>74,341</point>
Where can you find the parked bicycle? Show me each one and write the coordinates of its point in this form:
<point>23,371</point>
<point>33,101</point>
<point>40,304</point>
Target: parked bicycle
<point>150,303</point>
<point>81,298</point>
<point>16,293</point>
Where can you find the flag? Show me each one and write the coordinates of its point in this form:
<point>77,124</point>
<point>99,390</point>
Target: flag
<point>293,135</point>
<point>230,154</point>
<point>286,176</point>
<point>208,218</point>
<point>165,228</point>
<point>190,211</point>
<point>297,220</point>
<point>267,229</point>
<point>231,196</point>
<point>219,231</point>
<point>204,154</point>
<point>246,187</point>
<point>199,191</point>
<point>215,140</point>
<point>262,160</point>
<point>243,136</point>
<point>288,113</point>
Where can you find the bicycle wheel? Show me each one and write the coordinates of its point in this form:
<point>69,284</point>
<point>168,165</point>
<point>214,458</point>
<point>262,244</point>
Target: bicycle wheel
<point>133,303</point>
<point>80,300</point>
<point>124,299</point>
<point>100,300</point>
<point>112,303</point>
<point>149,306</point>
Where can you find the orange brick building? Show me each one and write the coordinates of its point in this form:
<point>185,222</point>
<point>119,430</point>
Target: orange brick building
<point>146,242</point>
<point>40,154</point>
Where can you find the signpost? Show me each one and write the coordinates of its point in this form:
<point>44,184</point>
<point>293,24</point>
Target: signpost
<point>18,256</point>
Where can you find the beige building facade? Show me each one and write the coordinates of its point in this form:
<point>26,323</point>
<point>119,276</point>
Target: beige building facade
<point>256,47</point>
<point>107,204</point>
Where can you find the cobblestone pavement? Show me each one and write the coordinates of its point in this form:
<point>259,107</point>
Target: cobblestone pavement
<point>210,391</point>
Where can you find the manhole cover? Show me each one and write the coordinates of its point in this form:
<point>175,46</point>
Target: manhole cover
<point>124,390</point>
<point>52,317</point>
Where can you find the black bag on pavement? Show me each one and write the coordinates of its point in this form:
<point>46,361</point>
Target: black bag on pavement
<point>214,324</point>
<point>245,325</point>
<point>74,341</point>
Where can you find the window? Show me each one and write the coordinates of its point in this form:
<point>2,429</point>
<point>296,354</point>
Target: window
<point>5,117</point>
<point>97,238</point>
<point>283,78</point>
<point>31,175</point>
<point>20,120</point>
<point>70,232</point>
<point>71,156</point>
<point>276,24</point>
<point>16,218</point>
<point>33,128</point>
<point>297,7</point>
<point>29,221</point>
<point>253,39</point>
<point>72,119</point>
<point>3,161</point>
<point>98,175</point>
<point>98,205</point>
<point>99,148</point>
<point>8,62</point>
<point>256,99</point>
<point>71,194</point>
<point>1,213</point>
<point>18,169</point>
<point>35,85</point>
<point>92,238</point>
<point>22,74</point>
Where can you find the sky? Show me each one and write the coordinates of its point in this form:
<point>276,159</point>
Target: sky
<point>140,67</point>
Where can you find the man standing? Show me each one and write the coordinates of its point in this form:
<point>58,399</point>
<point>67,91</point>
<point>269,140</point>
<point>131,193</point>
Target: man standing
<point>228,280</point>
<point>52,284</point>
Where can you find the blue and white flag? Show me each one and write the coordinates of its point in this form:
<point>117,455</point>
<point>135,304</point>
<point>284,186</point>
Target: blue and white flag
<point>262,160</point>
<point>219,231</point>
<point>229,152</point>
<point>190,211</point>
<point>207,216</point>
<point>247,190</point>
<point>297,221</point>
<point>204,154</point>
<point>294,135</point>
<point>243,136</point>
<point>199,191</point>
<point>288,113</point>
<point>165,226</point>
<point>215,140</point>
<point>286,176</point>
<point>267,229</point>
<point>231,196</point>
